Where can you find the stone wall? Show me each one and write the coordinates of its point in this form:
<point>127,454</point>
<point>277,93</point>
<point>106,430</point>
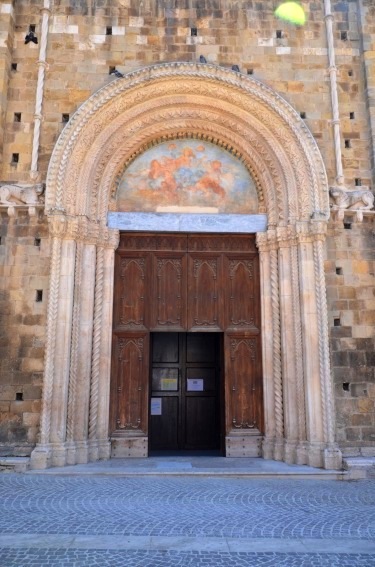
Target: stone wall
<point>87,40</point>
<point>24,273</point>
<point>350,270</point>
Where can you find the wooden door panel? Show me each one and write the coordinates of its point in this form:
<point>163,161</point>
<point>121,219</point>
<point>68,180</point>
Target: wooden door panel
<point>201,423</point>
<point>131,382</point>
<point>241,292</point>
<point>201,347</point>
<point>204,292</point>
<point>131,288</point>
<point>164,428</point>
<point>244,401</point>
<point>169,294</point>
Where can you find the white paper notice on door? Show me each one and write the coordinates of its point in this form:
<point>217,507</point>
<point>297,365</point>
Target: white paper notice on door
<point>195,385</point>
<point>155,406</point>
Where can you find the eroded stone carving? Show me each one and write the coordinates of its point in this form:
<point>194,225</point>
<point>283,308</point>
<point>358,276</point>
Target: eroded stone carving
<point>12,195</point>
<point>362,199</point>
<point>165,83</point>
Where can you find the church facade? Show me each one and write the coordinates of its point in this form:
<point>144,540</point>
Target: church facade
<point>187,240</point>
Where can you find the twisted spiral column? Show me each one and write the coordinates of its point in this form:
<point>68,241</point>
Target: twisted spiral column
<point>276,356</point>
<point>324,364</point>
<point>268,445</point>
<point>298,345</point>
<point>96,347</point>
<point>74,348</point>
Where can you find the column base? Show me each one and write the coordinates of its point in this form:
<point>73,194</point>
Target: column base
<point>71,453</point>
<point>301,454</point>
<point>40,458</point>
<point>332,458</point>
<point>82,452</point>
<point>104,448</point>
<point>278,453</point>
<point>268,447</point>
<point>58,453</point>
<point>315,454</point>
<point>290,449</point>
<point>93,450</point>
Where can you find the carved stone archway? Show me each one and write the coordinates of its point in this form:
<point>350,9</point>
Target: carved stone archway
<point>107,133</point>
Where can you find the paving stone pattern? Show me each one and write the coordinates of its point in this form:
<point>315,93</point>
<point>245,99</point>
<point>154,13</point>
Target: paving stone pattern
<point>184,507</point>
<point>75,558</point>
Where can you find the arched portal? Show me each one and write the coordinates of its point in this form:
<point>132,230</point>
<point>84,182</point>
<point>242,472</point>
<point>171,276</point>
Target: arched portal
<point>105,135</point>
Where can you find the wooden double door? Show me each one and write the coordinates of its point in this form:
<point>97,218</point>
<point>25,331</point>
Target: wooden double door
<point>182,285</point>
<point>185,391</point>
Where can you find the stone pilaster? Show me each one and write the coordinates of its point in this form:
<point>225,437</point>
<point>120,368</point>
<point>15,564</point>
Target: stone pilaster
<point>6,48</point>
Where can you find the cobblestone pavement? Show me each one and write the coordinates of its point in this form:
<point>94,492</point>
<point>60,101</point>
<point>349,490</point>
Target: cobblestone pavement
<point>139,521</point>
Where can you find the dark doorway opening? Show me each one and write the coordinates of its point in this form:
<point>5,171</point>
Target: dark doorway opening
<point>186,393</point>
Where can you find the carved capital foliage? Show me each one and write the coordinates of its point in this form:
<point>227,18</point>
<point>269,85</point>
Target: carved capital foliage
<point>81,229</point>
<point>286,236</point>
<point>187,100</point>
<point>311,231</point>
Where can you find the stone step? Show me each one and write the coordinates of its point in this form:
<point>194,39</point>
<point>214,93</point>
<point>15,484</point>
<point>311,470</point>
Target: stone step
<point>320,475</point>
<point>14,464</point>
<point>359,467</point>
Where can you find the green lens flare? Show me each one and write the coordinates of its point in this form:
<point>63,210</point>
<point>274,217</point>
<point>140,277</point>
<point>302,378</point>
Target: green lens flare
<point>291,12</point>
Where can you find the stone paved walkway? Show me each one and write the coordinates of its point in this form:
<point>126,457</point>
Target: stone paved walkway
<point>154,521</point>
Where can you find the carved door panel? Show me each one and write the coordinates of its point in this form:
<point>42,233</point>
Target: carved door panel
<point>131,287</point>
<point>242,292</point>
<point>244,407</point>
<point>175,283</point>
<point>168,291</point>
<point>205,298</point>
<point>130,389</point>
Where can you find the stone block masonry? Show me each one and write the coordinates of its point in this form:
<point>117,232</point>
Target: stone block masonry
<point>24,270</point>
<point>87,40</point>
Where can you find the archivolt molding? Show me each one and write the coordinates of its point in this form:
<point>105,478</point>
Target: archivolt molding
<point>257,121</point>
<point>175,117</point>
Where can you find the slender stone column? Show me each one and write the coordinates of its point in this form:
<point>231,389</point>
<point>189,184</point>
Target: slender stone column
<point>79,385</point>
<point>99,446</point>
<point>267,342</point>
<point>332,69</point>
<point>62,353</point>
<point>311,358</point>
<point>301,453</point>
<point>276,349</point>
<point>287,316</point>
<point>42,64</point>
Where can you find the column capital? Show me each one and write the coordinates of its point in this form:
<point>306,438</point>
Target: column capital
<point>311,231</point>
<point>81,229</point>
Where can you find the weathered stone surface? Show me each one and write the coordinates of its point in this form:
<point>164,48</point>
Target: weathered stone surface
<point>228,32</point>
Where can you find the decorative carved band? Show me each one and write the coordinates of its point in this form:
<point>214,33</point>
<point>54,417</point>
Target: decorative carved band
<point>96,346</point>
<point>74,346</point>
<point>81,229</point>
<point>324,370</point>
<point>276,358</point>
